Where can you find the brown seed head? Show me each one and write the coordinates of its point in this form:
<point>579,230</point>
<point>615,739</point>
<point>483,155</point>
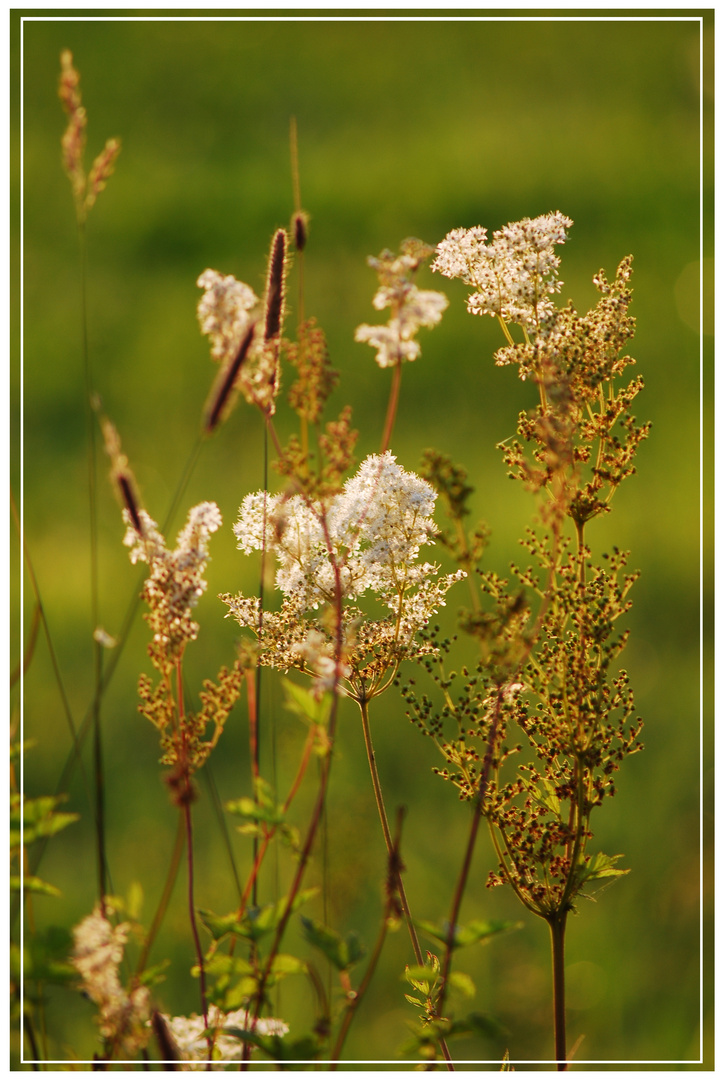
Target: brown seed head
<point>224,383</point>
<point>276,285</point>
<point>300,229</point>
<point>121,474</point>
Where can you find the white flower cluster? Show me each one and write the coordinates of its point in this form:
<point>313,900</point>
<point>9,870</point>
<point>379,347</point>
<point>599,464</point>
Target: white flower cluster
<point>224,311</point>
<point>175,582</point>
<point>97,955</point>
<point>514,275</point>
<point>410,308</point>
<point>227,312</point>
<point>188,1034</point>
<point>367,538</point>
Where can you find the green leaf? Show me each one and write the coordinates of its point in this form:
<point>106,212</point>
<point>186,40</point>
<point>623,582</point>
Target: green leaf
<point>305,704</point>
<point>153,975</point>
<point>39,818</point>
<point>343,953</point>
<point>256,921</point>
<point>305,1048</point>
<point>219,925</point>
<point>34,885</point>
<point>285,964</point>
<point>45,957</point>
<point>599,866</point>
<point>478,931</point>
<point>248,808</point>
<point>458,980</point>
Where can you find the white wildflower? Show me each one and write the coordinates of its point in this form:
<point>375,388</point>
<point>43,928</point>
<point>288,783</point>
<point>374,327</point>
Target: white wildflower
<point>176,581</point>
<point>514,275</point>
<point>188,1034</point>
<point>365,539</point>
<point>224,311</point>
<point>411,308</point>
<point>97,955</point>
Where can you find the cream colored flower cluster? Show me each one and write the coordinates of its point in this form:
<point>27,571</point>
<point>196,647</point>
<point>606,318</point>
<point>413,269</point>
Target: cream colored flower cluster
<point>411,308</point>
<point>187,1033</point>
<point>97,955</point>
<point>365,540</point>
<point>176,579</point>
<point>514,275</point>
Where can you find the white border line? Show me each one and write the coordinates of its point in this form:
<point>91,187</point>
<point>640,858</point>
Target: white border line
<point>718,397</point>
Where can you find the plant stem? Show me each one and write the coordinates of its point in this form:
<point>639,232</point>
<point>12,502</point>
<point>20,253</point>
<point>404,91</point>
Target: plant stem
<point>371,757</point>
<point>191,907</point>
<point>557,935</point>
<point>165,898</point>
<point>392,407</point>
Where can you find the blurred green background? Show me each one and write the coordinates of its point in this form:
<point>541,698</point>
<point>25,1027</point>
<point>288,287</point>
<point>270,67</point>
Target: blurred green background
<point>407,128</point>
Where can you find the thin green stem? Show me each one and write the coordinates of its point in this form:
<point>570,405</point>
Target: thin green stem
<point>557,937</point>
<point>165,897</point>
<point>379,797</point>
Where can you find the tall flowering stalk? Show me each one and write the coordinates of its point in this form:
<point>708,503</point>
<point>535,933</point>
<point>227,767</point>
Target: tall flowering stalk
<point>410,309</point>
<point>550,648</point>
<point>86,187</point>
<point>172,589</point>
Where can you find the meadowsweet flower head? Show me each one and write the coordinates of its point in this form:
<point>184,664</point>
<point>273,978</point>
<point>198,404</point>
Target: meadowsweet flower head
<point>365,539</point>
<point>188,1035</point>
<point>175,582</point>
<point>411,308</point>
<point>514,275</point>
<point>97,955</point>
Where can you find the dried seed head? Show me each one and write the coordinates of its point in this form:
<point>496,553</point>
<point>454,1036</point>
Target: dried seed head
<point>122,476</point>
<point>224,383</point>
<point>276,285</point>
<point>300,229</point>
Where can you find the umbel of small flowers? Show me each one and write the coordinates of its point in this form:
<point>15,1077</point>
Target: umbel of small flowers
<point>97,955</point>
<point>366,539</point>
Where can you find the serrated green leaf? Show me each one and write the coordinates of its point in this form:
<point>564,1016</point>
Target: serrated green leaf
<point>599,866</point>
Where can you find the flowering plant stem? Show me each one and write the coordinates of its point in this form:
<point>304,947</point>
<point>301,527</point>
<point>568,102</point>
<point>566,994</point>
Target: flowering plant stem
<point>557,935</point>
<point>392,406</point>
